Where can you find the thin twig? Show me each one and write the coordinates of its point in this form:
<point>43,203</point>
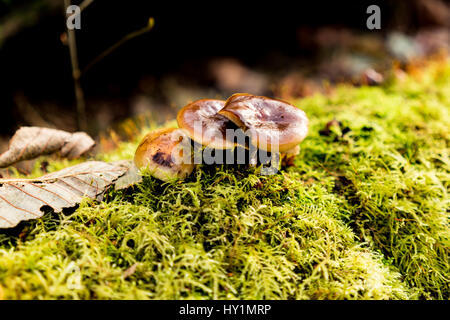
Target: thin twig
<point>79,94</point>
<point>85,4</point>
<point>125,39</point>
<point>76,73</point>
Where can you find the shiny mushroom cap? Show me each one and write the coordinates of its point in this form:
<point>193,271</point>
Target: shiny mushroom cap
<point>204,125</point>
<point>164,153</point>
<point>270,121</point>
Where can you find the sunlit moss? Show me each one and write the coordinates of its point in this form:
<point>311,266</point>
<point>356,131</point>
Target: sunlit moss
<point>361,215</point>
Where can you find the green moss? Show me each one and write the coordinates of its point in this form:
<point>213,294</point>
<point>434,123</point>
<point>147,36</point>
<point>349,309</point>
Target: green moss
<point>361,215</point>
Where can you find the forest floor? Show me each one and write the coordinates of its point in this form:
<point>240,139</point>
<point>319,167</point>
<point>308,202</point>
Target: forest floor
<point>361,214</point>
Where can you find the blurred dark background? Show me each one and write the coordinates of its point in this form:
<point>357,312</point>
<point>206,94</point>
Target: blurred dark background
<point>197,50</point>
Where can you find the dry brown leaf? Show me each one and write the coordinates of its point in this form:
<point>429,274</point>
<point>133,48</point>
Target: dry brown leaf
<point>23,199</point>
<point>130,271</point>
<point>32,142</point>
<point>131,177</point>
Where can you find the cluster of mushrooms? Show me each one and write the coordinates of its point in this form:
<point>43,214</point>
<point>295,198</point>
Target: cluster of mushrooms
<point>264,117</point>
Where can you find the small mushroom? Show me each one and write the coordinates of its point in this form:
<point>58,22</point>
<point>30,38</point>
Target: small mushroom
<point>270,121</point>
<point>165,153</point>
<point>202,123</point>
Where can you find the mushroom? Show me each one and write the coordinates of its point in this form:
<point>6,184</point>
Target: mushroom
<point>271,122</point>
<point>202,123</point>
<point>165,153</point>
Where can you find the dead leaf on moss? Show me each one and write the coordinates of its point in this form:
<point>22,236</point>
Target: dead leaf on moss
<point>131,177</point>
<point>338,125</point>
<point>130,271</point>
<point>23,199</point>
<point>32,142</point>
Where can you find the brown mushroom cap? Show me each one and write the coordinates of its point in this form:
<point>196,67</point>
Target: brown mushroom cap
<point>268,120</point>
<point>211,130</point>
<point>161,153</point>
